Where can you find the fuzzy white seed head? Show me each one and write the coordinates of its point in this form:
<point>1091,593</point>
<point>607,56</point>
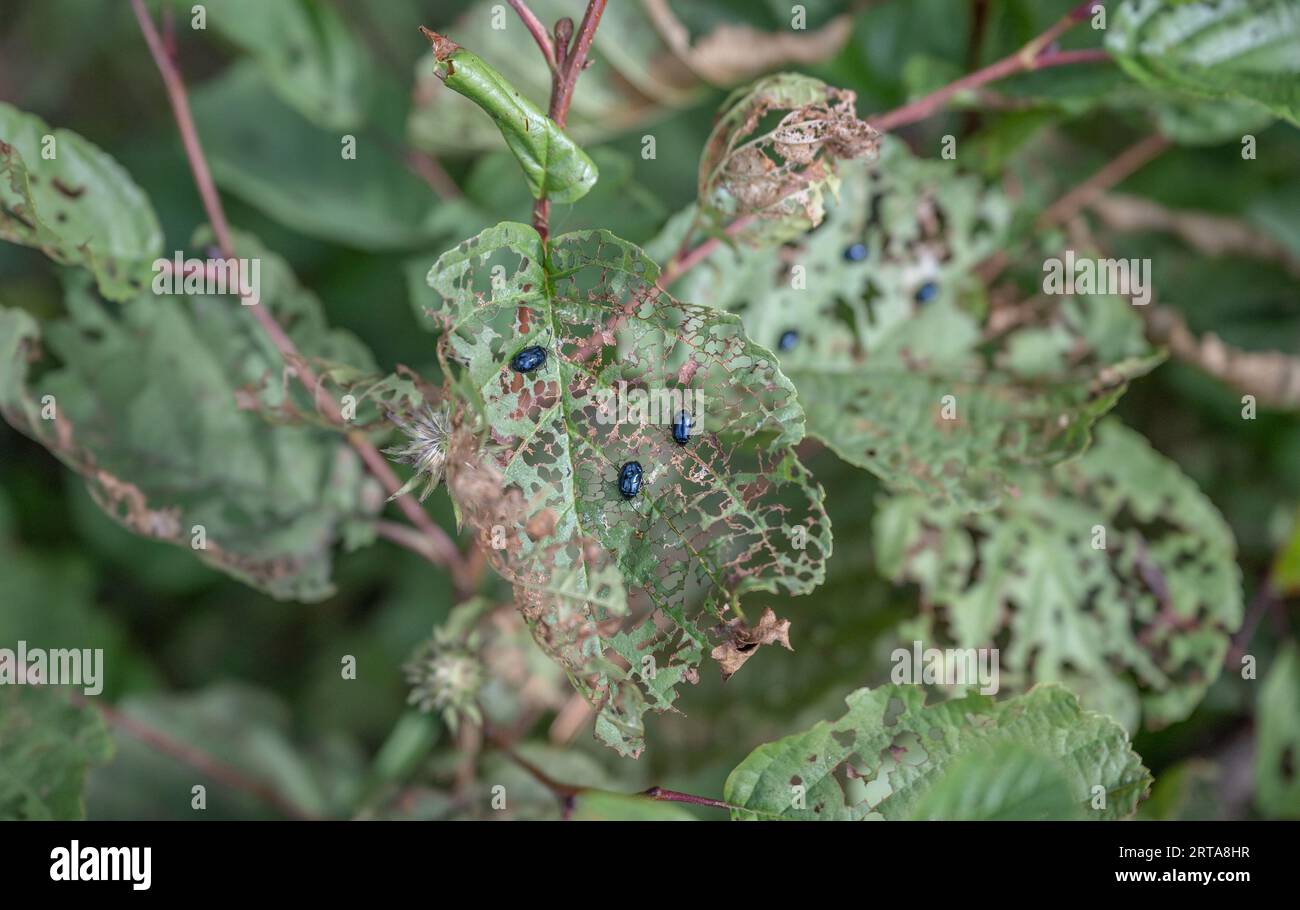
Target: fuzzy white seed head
<point>427,436</point>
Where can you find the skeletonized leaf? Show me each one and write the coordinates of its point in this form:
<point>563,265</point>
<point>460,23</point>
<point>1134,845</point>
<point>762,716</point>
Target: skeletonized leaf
<point>889,329</point>
<point>731,511</point>
<point>889,753</point>
<point>1112,574</point>
<point>781,172</point>
<point>1214,48</point>
<point>64,196</point>
<point>553,164</point>
<point>46,746</point>
<point>161,406</point>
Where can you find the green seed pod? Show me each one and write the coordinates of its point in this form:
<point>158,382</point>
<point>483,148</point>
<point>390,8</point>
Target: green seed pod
<point>554,166</point>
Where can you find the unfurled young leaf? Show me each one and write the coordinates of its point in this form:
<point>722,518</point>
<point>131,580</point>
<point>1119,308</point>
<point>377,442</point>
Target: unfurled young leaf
<point>554,165</point>
<point>162,406</point>
<point>570,364</point>
<point>64,196</point>
<point>1112,574</point>
<point>781,172</point>
<point>891,757</point>
<point>1245,49</point>
<point>46,746</point>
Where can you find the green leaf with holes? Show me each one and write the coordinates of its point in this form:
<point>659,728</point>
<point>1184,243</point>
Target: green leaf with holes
<point>1112,574</point>
<point>897,357</point>
<point>1238,49</point>
<point>731,511</point>
<point>62,195</point>
<point>46,746</point>
<point>180,418</point>
<point>893,757</point>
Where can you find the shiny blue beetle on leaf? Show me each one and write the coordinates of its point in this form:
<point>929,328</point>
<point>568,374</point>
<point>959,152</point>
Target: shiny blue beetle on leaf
<point>682,427</point>
<point>629,479</point>
<point>528,359</point>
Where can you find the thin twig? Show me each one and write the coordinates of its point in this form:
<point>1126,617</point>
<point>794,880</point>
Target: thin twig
<point>1114,172</point>
<point>430,170</point>
<point>567,61</point>
<point>442,544</point>
<point>538,31</point>
<point>201,761</point>
<point>1035,55</point>
<point>676,796</point>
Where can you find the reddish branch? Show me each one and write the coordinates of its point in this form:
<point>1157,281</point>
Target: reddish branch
<point>440,546</point>
<point>1036,55</point>
<point>676,796</point>
<point>566,55</point>
<point>201,761</point>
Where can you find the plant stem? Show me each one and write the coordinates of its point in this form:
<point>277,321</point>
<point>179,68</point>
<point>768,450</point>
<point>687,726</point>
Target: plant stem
<point>196,758</point>
<point>567,61</point>
<point>440,543</point>
<point>1116,170</point>
<point>538,31</point>
<point>676,796</point>
<point>1029,58</point>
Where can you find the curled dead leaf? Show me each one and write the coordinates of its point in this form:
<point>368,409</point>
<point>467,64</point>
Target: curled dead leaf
<point>742,641</point>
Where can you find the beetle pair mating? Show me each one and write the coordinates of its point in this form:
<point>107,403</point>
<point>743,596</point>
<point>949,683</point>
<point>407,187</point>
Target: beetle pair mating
<point>630,476</point>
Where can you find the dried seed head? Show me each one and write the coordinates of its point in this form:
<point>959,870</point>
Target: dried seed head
<point>428,434</point>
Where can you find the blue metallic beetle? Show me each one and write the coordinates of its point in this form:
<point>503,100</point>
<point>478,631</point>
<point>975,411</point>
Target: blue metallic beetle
<point>629,479</point>
<point>528,359</point>
<point>682,427</point>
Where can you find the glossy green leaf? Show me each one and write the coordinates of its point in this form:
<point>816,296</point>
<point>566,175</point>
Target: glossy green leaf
<point>1213,48</point>
<point>46,746</point>
<point>890,756</point>
<point>1112,574</point>
<point>168,407</point>
<point>720,516</point>
<point>62,195</point>
<point>554,166</point>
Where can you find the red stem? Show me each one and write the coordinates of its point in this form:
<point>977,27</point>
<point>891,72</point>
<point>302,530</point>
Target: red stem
<point>201,761</point>
<point>538,31</point>
<point>676,796</point>
<point>1029,58</point>
<point>567,63</point>
<point>441,543</point>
